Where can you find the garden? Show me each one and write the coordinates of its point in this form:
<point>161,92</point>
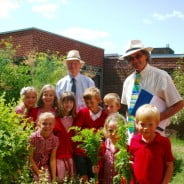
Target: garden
<point>33,70</point>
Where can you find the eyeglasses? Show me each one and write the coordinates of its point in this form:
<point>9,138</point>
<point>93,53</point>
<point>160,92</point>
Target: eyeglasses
<point>131,58</point>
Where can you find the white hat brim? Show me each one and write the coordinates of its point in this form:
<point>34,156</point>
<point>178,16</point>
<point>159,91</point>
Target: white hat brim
<point>149,49</point>
<point>70,59</point>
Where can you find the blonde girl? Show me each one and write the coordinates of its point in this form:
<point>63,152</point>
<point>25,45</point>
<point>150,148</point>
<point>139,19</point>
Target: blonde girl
<point>106,168</point>
<point>47,102</point>
<point>28,96</point>
<point>43,146</point>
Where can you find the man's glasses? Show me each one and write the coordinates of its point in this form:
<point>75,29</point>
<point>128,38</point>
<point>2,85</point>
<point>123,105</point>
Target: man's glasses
<point>131,58</point>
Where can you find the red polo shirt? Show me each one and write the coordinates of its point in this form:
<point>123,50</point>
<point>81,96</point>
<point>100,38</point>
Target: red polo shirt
<point>150,159</point>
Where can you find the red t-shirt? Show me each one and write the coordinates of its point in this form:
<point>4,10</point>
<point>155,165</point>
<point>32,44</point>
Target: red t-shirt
<point>84,120</point>
<point>149,159</point>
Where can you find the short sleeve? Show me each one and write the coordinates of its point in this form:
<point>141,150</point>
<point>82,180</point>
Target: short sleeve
<point>171,94</point>
<point>168,151</point>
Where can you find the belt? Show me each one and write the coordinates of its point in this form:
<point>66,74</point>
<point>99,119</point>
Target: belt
<point>160,129</point>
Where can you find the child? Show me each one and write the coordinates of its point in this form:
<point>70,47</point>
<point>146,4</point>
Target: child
<point>93,116</point>
<point>43,146</point>
<point>112,103</point>
<point>47,102</point>
<point>152,156</point>
<point>108,150</point>
<point>66,114</point>
<point>29,97</point>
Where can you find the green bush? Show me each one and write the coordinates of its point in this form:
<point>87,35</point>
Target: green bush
<point>177,121</point>
<point>45,68</point>
<point>36,69</point>
<point>13,145</point>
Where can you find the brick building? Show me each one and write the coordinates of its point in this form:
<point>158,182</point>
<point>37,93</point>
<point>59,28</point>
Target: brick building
<point>109,72</point>
<point>116,71</point>
<point>42,41</point>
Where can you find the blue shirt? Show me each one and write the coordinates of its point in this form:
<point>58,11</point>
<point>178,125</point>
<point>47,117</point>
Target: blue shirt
<point>82,82</point>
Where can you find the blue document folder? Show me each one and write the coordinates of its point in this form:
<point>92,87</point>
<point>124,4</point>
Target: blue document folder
<point>143,98</point>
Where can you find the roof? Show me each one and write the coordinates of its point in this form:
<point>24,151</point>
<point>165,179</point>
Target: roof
<point>37,29</point>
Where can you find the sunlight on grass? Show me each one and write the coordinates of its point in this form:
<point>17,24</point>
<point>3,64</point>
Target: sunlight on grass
<point>178,151</point>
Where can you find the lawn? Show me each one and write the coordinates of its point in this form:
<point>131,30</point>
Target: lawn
<point>178,150</point>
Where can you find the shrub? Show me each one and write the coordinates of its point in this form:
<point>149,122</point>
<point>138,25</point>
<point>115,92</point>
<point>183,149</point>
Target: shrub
<point>36,69</point>
<point>13,145</point>
<point>178,119</point>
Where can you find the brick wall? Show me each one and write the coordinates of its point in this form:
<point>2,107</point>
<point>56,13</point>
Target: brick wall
<point>114,74</point>
<point>33,38</point>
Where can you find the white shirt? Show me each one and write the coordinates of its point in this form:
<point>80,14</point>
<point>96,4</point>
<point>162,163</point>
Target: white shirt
<point>82,82</point>
<point>156,81</point>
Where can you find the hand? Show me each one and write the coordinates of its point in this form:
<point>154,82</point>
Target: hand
<point>95,169</point>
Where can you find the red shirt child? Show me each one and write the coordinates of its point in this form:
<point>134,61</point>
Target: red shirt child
<point>65,115</point>
<point>47,102</point>
<point>91,117</point>
<point>151,152</point>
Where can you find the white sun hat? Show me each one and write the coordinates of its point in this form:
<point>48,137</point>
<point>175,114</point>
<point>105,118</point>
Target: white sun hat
<point>74,55</point>
<point>133,47</point>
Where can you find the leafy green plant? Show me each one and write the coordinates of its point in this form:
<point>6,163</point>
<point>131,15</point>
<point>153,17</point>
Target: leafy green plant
<point>14,133</point>
<point>90,140</point>
<point>122,157</point>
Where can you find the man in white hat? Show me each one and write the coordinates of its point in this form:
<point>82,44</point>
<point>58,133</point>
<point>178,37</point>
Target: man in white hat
<point>74,81</point>
<point>155,81</point>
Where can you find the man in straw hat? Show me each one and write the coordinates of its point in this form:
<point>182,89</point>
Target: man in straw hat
<point>74,81</point>
<point>155,81</point>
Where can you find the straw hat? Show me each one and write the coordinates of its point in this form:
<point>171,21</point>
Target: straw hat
<point>74,55</point>
<point>133,47</point>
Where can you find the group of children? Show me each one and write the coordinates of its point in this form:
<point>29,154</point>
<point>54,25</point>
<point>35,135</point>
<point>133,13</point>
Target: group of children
<point>52,147</point>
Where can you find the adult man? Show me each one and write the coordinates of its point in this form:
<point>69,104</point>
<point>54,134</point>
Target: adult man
<point>74,81</point>
<point>152,79</point>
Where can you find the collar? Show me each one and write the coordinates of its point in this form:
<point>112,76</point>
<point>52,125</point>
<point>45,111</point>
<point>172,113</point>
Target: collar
<point>76,77</point>
<point>145,71</point>
<point>155,140</point>
<point>38,133</point>
<point>95,116</point>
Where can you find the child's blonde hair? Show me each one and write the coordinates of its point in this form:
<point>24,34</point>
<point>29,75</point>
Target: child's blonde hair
<point>147,112</point>
<point>44,116</point>
<point>25,90</point>
<point>112,97</point>
<point>92,92</point>
<point>66,96</point>
<point>116,118</point>
<point>45,88</point>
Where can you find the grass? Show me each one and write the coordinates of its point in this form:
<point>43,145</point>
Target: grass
<point>178,151</point>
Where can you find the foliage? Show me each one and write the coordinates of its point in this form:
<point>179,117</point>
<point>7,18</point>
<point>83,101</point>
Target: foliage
<point>178,119</point>
<point>122,157</point>
<point>45,68</point>
<point>36,69</point>
<point>12,78</point>
<point>90,140</point>
<point>14,133</point>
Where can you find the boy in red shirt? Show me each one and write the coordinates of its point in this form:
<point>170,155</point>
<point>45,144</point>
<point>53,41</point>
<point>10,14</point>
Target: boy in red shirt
<point>93,116</point>
<point>152,155</point>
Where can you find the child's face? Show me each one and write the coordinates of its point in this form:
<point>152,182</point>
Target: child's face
<point>30,99</point>
<point>111,107</point>
<point>68,105</point>
<point>47,125</point>
<point>112,129</point>
<point>147,128</point>
<point>48,97</point>
<point>92,104</point>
